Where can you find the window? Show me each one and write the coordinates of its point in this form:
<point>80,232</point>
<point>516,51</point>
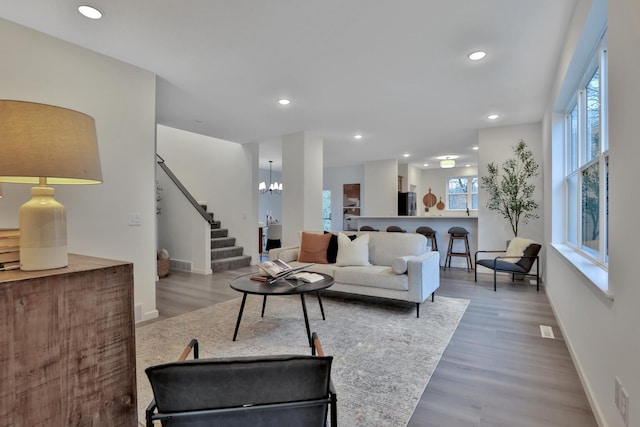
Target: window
<point>462,193</point>
<point>587,164</point>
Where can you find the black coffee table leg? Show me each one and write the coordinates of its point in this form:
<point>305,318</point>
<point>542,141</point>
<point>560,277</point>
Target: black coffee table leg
<point>321,307</point>
<point>306,319</point>
<point>244,299</point>
<point>264,304</point>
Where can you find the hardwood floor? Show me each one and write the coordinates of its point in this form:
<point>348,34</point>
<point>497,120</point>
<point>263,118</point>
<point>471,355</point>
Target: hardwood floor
<point>496,371</point>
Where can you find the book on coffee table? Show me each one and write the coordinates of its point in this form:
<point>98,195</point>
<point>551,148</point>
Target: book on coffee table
<point>307,277</point>
<point>279,269</point>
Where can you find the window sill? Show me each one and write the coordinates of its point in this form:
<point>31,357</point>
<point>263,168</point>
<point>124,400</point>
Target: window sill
<point>591,272</point>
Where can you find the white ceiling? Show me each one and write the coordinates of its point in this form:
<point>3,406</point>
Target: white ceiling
<point>395,71</point>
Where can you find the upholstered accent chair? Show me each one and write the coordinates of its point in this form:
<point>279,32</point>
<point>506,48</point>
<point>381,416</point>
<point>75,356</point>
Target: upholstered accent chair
<point>269,391</point>
<point>519,258</point>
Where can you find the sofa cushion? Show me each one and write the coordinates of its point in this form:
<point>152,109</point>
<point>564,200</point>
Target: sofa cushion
<point>399,265</point>
<point>385,247</point>
<point>313,247</point>
<point>375,276</point>
<point>317,268</point>
<point>354,252</point>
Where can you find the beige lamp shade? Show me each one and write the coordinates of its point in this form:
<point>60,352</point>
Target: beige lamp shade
<point>43,144</point>
<point>44,141</point>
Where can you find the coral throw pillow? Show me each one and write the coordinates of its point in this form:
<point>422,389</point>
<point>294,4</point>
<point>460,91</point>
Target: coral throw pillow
<point>313,248</point>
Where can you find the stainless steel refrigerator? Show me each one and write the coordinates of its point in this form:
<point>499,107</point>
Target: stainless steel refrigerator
<point>407,203</point>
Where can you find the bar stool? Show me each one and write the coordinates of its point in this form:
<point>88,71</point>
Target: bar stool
<point>430,234</point>
<point>395,229</point>
<point>458,233</point>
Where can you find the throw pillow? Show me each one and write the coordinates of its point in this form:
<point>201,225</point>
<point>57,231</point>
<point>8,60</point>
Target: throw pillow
<point>516,248</point>
<point>313,248</point>
<point>399,265</point>
<point>354,252</point>
<point>332,250</point>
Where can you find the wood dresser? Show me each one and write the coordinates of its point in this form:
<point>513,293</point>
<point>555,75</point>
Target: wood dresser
<point>67,345</point>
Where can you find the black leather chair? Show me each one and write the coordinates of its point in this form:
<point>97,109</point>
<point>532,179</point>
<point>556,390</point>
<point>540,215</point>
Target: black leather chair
<point>269,391</point>
<point>368,228</point>
<point>395,229</point>
<point>522,266</point>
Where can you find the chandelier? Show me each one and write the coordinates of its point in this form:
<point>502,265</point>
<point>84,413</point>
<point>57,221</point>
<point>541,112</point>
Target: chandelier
<point>274,187</point>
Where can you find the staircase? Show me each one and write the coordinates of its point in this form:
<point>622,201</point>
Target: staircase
<point>225,255</point>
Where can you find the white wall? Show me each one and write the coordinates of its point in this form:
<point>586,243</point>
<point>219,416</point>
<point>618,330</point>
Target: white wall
<point>182,231</point>
<point>496,145</point>
<point>302,172</point>
<point>121,99</point>
<point>380,188</point>
<point>602,334</point>
<point>218,172</point>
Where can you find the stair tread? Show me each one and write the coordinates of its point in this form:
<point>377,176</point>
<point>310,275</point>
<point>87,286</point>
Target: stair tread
<point>226,248</point>
<point>231,258</point>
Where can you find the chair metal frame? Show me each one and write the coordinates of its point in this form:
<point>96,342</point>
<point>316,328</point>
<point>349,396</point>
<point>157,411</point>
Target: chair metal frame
<point>513,274</point>
<point>152,414</point>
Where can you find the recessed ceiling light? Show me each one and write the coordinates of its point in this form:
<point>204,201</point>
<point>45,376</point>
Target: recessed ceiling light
<point>425,165</point>
<point>406,155</point>
<point>478,55</point>
<point>284,101</point>
<point>475,147</point>
<point>467,166</point>
<point>90,12</point>
<point>492,116</point>
<point>357,136</point>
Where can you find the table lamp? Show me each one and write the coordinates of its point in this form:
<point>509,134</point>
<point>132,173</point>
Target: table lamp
<point>44,144</point>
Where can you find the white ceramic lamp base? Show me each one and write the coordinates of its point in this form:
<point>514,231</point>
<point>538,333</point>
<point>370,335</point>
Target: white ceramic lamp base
<point>43,232</point>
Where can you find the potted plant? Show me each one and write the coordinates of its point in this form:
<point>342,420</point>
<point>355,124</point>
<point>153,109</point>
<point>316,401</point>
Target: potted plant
<point>509,188</point>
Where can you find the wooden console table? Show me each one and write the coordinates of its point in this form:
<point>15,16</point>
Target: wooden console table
<point>67,346</point>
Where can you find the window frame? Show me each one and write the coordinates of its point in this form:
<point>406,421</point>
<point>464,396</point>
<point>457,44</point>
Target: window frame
<point>576,164</point>
<point>470,193</point>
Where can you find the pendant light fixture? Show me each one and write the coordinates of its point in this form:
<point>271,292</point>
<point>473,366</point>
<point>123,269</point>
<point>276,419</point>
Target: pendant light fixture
<point>274,187</point>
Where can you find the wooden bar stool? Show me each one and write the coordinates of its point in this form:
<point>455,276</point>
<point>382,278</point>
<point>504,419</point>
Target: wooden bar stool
<point>430,234</point>
<point>458,233</point>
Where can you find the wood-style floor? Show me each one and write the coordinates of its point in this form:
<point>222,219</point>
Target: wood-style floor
<point>496,371</point>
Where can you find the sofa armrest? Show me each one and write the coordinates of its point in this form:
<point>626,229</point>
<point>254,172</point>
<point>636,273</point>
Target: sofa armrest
<point>424,275</point>
<point>286,254</point>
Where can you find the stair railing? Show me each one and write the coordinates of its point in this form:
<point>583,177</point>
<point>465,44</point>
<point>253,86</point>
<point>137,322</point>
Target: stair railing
<point>184,190</point>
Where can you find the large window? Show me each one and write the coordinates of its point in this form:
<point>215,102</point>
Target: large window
<point>587,164</point>
<point>462,193</point>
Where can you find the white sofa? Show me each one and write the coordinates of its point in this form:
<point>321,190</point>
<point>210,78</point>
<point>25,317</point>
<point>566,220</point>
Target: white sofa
<point>402,251</point>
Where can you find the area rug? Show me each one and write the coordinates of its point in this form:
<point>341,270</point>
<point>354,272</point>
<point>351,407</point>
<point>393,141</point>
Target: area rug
<point>383,355</point>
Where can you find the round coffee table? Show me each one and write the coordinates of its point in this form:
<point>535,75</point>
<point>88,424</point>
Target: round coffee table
<point>247,286</point>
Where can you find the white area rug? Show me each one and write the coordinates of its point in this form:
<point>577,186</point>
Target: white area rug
<point>383,355</point>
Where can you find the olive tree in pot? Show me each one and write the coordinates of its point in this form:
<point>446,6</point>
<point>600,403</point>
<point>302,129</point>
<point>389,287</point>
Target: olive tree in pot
<point>509,188</point>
